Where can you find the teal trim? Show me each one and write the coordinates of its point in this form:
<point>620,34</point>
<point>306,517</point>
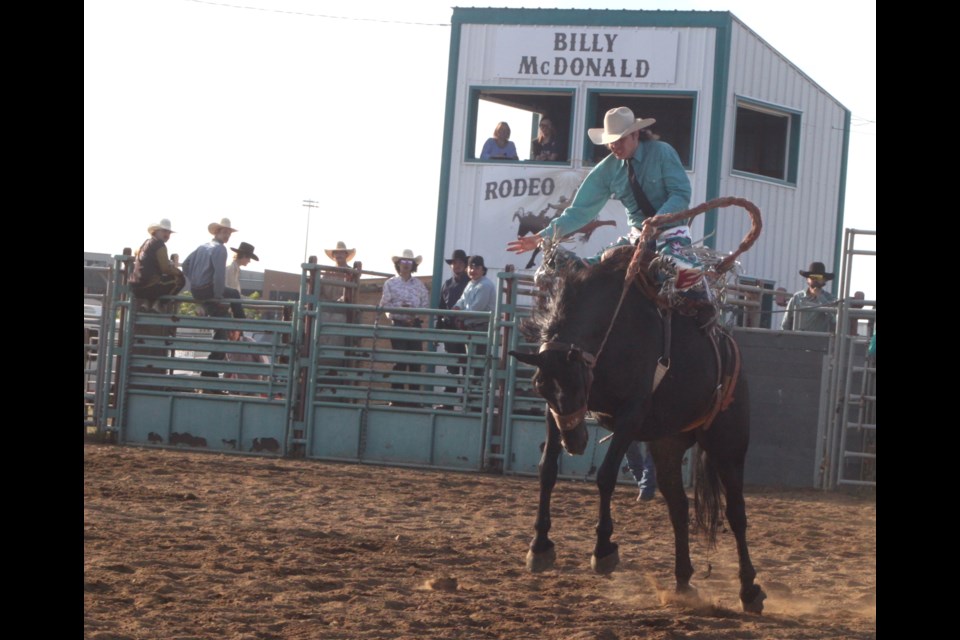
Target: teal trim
<point>473,97</point>
<point>841,196</point>
<point>721,80</point>
<point>593,96</point>
<point>445,163</point>
<point>760,178</point>
<point>794,157</point>
<point>472,112</point>
<point>592,17</point>
<point>793,141</point>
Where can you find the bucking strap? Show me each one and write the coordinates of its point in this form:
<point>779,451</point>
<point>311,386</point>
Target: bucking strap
<point>728,372</point>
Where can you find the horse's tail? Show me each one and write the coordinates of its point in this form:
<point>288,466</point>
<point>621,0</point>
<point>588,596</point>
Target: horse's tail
<point>707,501</point>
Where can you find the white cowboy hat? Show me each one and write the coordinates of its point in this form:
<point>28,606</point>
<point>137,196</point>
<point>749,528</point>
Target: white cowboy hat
<point>341,246</point>
<point>214,227</point>
<point>407,255</point>
<point>616,124</point>
<point>163,224</point>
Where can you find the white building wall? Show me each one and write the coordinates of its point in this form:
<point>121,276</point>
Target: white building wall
<point>800,221</point>
<point>694,73</point>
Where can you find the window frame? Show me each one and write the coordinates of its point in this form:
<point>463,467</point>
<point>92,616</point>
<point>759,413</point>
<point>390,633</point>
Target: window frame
<point>593,117</point>
<point>477,92</point>
<point>791,160</point>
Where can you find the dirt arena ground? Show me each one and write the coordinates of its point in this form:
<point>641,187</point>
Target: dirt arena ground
<point>185,545</point>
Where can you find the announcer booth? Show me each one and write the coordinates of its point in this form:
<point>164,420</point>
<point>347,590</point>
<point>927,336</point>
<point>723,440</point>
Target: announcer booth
<point>744,120</point>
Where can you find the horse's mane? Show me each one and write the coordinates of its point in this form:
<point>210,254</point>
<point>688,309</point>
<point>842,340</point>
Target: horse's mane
<point>570,286</point>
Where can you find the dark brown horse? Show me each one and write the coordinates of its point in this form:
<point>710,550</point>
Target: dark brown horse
<point>600,356</point>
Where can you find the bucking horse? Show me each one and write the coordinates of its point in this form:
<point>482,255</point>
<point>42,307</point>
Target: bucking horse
<point>646,371</point>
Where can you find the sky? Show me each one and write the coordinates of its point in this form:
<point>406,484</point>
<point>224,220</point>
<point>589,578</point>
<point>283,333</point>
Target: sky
<point>196,110</point>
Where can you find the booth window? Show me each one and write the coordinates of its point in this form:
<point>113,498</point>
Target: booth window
<point>766,142</point>
<point>673,111</point>
<point>522,109</point>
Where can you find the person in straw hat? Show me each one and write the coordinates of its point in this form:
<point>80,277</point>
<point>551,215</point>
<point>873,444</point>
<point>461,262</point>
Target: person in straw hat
<point>153,274</point>
<point>341,255</point>
<point>812,308</point>
<point>242,256</point>
<point>660,185</point>
<point>403,290</point>
<point>206,268</point>
<point>330,289</point>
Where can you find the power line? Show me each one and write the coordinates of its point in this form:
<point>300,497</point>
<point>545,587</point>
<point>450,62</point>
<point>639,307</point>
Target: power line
<point>319,15</point>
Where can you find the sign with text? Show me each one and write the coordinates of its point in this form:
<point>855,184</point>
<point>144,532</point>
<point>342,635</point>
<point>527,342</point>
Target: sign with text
<point>516,202</point>
<point>608,54</point>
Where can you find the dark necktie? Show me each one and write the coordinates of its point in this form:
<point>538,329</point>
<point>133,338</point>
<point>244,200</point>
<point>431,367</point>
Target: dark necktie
<point>643,203</point>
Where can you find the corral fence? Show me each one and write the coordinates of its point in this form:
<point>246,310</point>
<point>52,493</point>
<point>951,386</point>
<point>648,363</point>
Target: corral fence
<point>329,377</point>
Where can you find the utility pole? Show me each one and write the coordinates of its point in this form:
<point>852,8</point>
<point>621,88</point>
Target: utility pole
<point>310,205</point>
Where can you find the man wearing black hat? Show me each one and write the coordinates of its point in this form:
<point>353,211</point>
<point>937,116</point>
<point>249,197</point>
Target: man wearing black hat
<point>480,294</point>
<point>812,309</point>
<point>450,292</point>
<point>242,256</point>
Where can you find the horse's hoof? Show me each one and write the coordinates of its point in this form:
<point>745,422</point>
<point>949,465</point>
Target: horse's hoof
<point>605,564</point>
<point>688,591</point>
<point>752,599</point>
<point>537,562</point>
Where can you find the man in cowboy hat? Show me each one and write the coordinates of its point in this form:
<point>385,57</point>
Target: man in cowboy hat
<point>206,268</point>
<point>329,290</point>
<point>812,309</point>
<point>153,273</point>
<point>341,255</point>
<point>450,292</point>
<point>642,172</point>
<point>241,258</point>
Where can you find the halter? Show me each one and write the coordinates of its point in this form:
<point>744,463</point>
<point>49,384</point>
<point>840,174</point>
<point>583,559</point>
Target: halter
<point>570,421</point>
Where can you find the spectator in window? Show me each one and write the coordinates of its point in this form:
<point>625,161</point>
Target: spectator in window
<point>812,309</point>
<point>547,146</point>
<point>153,273</point>
<point>242,257</point>
<point>403,290</point>
<point>499,146</point>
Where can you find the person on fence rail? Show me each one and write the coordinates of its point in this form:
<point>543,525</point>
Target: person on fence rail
<point>206,268</point>
<point>812,308</point>
<point>154,275</point>
<point>341,256</point>
<point>332,289</point>
<point>450,292</point>
<point>242,257</point>
<point>403,290</point>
